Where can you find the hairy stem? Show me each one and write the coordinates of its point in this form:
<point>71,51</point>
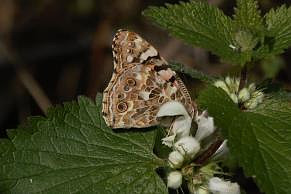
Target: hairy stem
<point>243,77</point>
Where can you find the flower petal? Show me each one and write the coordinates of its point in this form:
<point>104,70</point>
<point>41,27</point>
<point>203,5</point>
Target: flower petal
<point>180,126</point>
<point>220,186</point>
<point>172,108</point>
<point>205,126</point>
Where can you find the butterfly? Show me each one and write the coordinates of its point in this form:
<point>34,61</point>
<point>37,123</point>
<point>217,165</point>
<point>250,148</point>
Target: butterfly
<point>141,83</point>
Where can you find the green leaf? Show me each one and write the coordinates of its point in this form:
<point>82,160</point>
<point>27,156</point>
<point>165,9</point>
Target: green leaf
<point>73,151</point>
<point>193,73</point>
<point>245,38</point>
<point>260,140</point>
<point>199,24</point>
<point>248,16</point>
<point>278,29</point>
<point>246,41</point>
<point>249,27</point>
<point>160,149</point>
<point>6,147</point>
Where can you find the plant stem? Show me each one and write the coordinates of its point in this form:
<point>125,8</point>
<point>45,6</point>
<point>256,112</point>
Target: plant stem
<point>243,77</point>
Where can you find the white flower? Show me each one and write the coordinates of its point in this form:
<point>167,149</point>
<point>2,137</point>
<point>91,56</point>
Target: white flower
<point>244,95</point>
<point>169,140</point>
<point>256,98</point>
<point>228,80</point>
<point>187,146</point>
<point>219,186</point>
<point>180,126</point>
<point>221,84</point>
<point>251,104</point>
<point>174,179</point>
<point>232,84</point>
<point>234,97</point>
<point>236,84</point>
<point>205,126</point>
<point>176,159</point>
<point>231,87</point>
<point>252,87</point>
<point>259,96</point>
<point>172,108</point>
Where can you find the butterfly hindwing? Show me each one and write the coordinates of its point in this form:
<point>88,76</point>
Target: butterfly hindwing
<point>140,84</point>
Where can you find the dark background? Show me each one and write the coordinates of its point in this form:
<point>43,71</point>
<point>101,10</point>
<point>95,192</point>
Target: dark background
<point>51,51</point>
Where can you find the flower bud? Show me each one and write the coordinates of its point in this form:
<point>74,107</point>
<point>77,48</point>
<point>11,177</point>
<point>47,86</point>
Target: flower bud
<point>228,81</point>
<point>236,84</point>
<point>187,146</point>
<point>176,159</point>
<point>256,98</point>
<point>234,98</point>
<point>252,87</point>
<point>232,84</point>
<point>174,180</point>
<point>251,104</point>
<point>259,96</point>
<point>244,95</point>
<point>219,186</point>
<point>222,85</point>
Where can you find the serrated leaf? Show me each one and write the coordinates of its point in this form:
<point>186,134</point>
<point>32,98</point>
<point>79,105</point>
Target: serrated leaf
<point>260,140</point>
<point>278,23</point>
<point>199,24</point>
<point>249,28</point>
<point>246,41</point>
<point>193,73</point>
<point>6,147</point>
<point>73,151</point>
<point>248,16</point>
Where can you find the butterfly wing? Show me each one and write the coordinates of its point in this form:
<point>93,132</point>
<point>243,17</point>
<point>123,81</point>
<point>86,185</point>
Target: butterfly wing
<point>129,48</point>
<point>140,84</point>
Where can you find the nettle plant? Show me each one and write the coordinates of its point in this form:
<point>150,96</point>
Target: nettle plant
<point>72,150</point>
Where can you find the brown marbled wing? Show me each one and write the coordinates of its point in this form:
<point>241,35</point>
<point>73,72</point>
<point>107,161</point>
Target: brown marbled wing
<point>140,84</point>
<point>129,48</point>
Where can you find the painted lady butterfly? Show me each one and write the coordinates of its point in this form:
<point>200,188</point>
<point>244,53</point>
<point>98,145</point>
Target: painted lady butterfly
<point>141,82</point>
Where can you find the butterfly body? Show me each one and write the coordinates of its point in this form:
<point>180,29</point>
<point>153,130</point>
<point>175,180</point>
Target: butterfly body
<point>140,84</point>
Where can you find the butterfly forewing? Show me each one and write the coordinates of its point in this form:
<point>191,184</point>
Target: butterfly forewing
<point>140,84</point>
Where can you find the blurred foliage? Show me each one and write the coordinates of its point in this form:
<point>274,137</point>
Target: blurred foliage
<point>272,66</point>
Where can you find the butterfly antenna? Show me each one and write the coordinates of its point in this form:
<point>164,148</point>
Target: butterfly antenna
<point>171,126</point>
